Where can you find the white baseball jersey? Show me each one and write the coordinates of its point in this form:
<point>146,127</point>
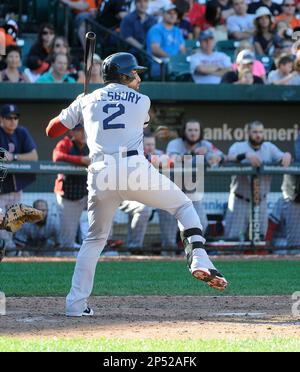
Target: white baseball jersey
<point>113,118</point>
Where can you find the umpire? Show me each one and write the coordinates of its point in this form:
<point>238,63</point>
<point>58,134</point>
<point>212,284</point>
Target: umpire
<point>19,146</point>
<point>256,152</point>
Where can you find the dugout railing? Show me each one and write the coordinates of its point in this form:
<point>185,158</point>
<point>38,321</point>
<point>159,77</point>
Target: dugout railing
<point>217,181</point>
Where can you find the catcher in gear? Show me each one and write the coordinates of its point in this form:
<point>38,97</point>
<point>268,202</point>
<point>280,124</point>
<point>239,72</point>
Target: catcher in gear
<point>17,214</point>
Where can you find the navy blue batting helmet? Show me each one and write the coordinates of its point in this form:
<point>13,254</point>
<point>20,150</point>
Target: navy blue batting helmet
<point>120,64</point>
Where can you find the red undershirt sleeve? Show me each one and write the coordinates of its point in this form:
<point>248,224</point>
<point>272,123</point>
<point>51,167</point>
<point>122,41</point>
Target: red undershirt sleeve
<point>56,128</point>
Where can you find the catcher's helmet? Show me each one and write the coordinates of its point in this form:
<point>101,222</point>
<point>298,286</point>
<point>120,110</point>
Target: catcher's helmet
<point>120,64</point>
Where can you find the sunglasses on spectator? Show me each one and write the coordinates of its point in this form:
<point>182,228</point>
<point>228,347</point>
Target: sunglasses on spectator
<point>59,45</point>
<point>48,32</point>
<point>289,5</point>
<point>12,117</point>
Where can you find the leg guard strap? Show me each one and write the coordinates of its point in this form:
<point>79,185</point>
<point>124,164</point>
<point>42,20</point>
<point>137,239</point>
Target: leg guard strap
<point>191,232</point>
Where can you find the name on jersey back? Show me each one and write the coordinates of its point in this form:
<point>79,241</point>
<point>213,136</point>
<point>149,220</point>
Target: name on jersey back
<point>120,96</point>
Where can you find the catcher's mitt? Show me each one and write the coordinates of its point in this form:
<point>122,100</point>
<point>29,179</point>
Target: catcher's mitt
<point>18,214</point>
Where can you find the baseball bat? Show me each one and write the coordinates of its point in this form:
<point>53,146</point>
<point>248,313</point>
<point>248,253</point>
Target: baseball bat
<point>89,50</point>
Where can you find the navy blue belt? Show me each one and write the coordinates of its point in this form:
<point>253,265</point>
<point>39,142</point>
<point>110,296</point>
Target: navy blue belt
<point>129,153</point>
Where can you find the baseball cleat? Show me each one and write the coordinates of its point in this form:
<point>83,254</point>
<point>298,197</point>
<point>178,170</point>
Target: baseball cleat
<point>203,269</point>
<point>88,312</point>
<point>212,277</point>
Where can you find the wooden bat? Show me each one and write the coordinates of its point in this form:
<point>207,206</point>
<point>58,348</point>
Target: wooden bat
<point>89,50</point>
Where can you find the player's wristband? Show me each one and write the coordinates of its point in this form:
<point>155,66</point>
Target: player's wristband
<point>15,157</point>
<point>241,157</point>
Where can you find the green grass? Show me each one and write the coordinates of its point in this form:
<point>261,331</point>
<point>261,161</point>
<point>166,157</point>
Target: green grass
<point>275,344</point>
<point>150,278</point>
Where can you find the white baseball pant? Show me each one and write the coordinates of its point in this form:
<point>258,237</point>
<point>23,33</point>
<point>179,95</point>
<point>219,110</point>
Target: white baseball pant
<point>163,194</point>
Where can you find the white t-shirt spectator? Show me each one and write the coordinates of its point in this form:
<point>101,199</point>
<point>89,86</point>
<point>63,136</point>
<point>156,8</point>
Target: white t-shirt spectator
<point>156,5</point>
<point>215,59</point>
<point>275,75</point>
<point>236,23</point>
<point>295,80</point>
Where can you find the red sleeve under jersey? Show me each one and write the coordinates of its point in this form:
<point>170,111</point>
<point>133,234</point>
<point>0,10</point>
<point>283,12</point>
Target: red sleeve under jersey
<point>56,128</point>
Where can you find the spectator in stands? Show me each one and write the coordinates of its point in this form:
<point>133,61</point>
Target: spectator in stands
<point>208,66</point>
<point>274,7</point>
<point>264,33</point>
<point>19,146</point>
<point>165,40</point>
<point>155,6</point>
<point>110,15</point>
<point>58,72</point>
<point>255,152</point>
<point>163,135</point>
<point>245,60</point>
<point>216,23</point>
<point>60,46</point>
<point>42,48</point>
<point>289,14</point>
<point>283,38</point>
<point>258,68</point>
<point>296,78</point>
<point>240,25</point>
<point>71,190</point>
<point>96,72</point>
<point>135,26</point>
<point>83,9</point>
<point>12,73</point>
<point>192,143</point>
<point>226,8</point>
<point>111,12</point>
<point>35,67</point>
<point>8,37</point>
<point>184,24</point>
<point>196,16</point>
<point>246,77</point>
<point>43,235</point>
<point>284,73</point>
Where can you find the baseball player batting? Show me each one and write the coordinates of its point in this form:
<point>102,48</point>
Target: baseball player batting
<point>114,118</point>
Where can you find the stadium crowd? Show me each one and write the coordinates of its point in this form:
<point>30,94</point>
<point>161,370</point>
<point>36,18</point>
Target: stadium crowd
<point>220,41</point>
<point>165,149</point>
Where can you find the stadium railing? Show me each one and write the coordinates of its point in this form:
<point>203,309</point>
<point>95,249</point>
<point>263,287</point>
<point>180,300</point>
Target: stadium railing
<point>46,173</point>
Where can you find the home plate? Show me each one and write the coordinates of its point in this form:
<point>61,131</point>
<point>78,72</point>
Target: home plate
<point>240,314</point>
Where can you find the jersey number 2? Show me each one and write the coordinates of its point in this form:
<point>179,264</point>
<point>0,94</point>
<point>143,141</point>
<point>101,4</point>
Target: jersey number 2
<point>106,122</point>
